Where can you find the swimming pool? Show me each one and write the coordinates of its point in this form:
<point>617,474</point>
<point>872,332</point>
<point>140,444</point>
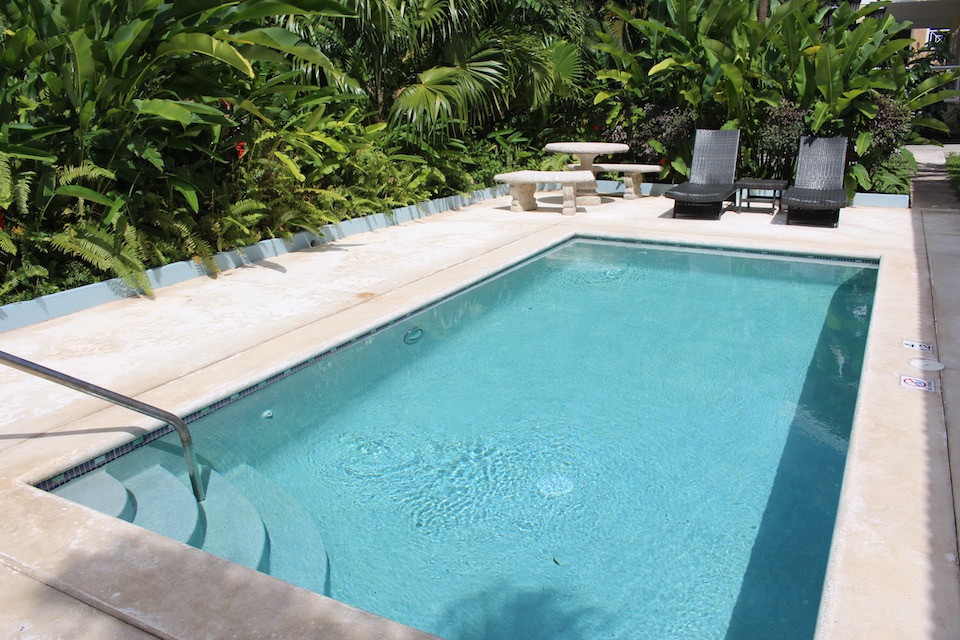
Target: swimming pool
<point>611,438</point>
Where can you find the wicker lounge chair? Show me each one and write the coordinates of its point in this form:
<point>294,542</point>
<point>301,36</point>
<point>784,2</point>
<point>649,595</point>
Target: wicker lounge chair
<point>711,176</point>
<point>817,194</point>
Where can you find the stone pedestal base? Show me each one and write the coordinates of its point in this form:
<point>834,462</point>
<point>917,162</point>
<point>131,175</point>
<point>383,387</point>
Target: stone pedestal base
<point>570,200</point>
<point>523,198</point>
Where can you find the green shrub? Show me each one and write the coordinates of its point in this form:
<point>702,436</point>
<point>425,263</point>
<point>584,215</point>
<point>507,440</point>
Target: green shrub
<point>846,77</point>
<point>655,134</point>
<point>892,175</point>
<point>122,117</point>
<point>953,170</point>
<point>772,150</point>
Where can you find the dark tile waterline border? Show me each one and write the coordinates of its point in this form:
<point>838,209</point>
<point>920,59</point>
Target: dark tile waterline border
<point>91,465</point>
<point>56,305</point>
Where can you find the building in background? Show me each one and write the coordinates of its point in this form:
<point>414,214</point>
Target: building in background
<point>931,19</point>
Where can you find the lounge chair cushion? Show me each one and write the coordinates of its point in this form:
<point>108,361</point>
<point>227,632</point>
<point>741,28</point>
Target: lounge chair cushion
<point>701,193</point>
<point>814,198</point>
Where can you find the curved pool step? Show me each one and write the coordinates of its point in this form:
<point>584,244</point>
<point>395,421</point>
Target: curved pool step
<point>165,505</point>
<point>158,453</point>
<point>297,552</point>
<point>101,491</point>
<point>245,517</point>
<point>233,528</point>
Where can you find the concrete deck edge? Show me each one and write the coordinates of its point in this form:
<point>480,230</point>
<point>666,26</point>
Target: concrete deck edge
<point>62,303</point>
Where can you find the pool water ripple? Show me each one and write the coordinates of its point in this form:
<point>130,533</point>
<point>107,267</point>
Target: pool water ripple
<point>610,441</point>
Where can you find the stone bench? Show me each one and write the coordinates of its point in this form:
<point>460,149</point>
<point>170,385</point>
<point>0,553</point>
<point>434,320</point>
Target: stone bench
<point>523,184</point>
<point>632,175</point>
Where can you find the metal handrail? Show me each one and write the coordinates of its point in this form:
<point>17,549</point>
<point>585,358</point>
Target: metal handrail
<point>110,396</point>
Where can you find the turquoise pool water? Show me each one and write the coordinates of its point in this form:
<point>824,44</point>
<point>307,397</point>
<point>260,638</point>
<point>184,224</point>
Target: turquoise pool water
<point>612,440</point>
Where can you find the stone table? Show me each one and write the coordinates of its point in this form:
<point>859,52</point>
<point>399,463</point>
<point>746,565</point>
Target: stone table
<point>586,152</point>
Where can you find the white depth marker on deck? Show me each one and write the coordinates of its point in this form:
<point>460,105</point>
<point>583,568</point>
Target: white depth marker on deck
<point>917,346</point>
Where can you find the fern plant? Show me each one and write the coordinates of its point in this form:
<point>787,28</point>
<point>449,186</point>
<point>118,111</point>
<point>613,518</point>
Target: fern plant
<point>106,241</point>
<point>111,252</point>
<point>18,277</point>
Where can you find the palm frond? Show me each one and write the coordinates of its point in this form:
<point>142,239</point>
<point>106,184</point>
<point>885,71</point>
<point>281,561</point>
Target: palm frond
<point>531,69</point>
<point>568,69</point>
<point>437,95</point>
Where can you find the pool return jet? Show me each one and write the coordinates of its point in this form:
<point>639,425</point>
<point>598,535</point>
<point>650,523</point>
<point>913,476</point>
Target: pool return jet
<point>110,396</point>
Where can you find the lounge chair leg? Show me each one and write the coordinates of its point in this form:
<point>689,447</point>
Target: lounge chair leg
<point>815,217</point>
<point>523,198</point>
<point>569,199</point>
<point>702,210</point>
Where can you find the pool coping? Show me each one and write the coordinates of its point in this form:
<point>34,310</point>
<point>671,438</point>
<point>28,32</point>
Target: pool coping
<point>909,541</point>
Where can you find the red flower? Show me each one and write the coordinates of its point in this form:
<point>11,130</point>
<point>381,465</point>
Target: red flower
<point>241,149</point>
<point>663,161</point>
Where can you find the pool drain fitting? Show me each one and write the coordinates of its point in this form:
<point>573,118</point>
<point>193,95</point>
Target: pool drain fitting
<point>413,336</point>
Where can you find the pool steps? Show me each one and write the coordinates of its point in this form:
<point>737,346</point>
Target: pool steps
<point>232,527</point>
<point>157,495</point>
<point>297,551</point>
<point>246,518</point>
<point>101,491</point>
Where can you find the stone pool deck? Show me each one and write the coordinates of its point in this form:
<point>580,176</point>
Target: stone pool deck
<point>66,571</point>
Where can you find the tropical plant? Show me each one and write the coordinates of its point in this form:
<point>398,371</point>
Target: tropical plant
<point>701,56</point>
<point>845,73</point>
<point>137,97</point>
<point>290,154</point>
<point>953,170</point>
<point>893,174</point>
<point>434,64</point>
<point>505,149</point>
<point>776,139</point>
<point>730,69</point>
<point>444,75</point>
<point>928,61</point>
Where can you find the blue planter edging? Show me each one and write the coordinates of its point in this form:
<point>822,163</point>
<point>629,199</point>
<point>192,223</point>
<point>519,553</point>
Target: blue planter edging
<point>893,201</point>
<point>62,303</point>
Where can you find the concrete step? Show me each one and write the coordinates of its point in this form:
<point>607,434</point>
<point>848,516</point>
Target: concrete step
<point>297,552</point>
<point>233,529</point>
<point>165,505</point>
<point>168,455</point>
<point>101,491</point>
<point>150,488</point>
